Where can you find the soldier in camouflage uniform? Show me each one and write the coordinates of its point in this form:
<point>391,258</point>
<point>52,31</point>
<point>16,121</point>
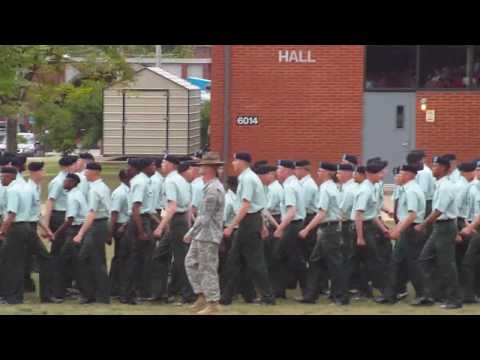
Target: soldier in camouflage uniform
<point>201,262</point>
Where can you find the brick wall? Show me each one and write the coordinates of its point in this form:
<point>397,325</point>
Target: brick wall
<point>456,126</point>
<point>311,111</point>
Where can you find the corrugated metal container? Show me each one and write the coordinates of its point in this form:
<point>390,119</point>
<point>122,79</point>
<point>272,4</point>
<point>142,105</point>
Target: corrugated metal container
<point>157,113</point>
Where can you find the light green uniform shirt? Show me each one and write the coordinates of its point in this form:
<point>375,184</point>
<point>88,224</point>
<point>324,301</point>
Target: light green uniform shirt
<point>329,201</point>
<point>380,196</point>
<point>18,201</point>
<point>366,200</point>
<point>472,196</point>
<point>157,186</point>
<point>57,192</point>
<point>274,197</point>
<point>455,176</point>
<point>309,192</point>
<point>462,200</point>
<point>197,191</point>
<point>83,185</point>
<point>229,210</point>
<point>177,189</point>
<point>140,192</point>
<point>77,207</point>
<point>3,198</point>
<point>120,203</point>
<point>34,194</point>
<point>99,199</point>
<point>347,197</point>
<point>426,181</point>
<point>411,199</point>
<point>444,199</point>
<point>250,188</point>
<point>292,196</point>
<point>476,202</point>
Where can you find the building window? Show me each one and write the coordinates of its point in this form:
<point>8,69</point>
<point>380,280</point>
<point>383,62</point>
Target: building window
<point>391,67</point>
<point>443,67</point>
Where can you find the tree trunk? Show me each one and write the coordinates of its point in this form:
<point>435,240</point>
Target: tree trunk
<point>12,135</point>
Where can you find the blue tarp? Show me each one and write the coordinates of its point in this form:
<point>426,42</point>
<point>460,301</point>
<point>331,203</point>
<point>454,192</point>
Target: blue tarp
<point>201,83</point>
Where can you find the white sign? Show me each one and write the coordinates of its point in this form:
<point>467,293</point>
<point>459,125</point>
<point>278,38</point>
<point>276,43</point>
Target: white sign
<point>248,120</point>
<point>430,116</point>
<point>296,56</point>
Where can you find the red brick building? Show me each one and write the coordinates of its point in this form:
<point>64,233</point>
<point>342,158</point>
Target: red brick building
<point>318,102</point>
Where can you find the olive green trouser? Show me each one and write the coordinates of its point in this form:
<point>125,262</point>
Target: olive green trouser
<point>95,284</point>
<point>13,262</point>
<point>329,248</point>
<point>405,258</point>
<point>36,248</point>
<point>439,254</point>
<point>308,244</point>
<point>248,248</point>
<point>134,255</point>
<point>68,259</point>
<point>64,271</point>
<point>116,265</point>
<point>467,258</point>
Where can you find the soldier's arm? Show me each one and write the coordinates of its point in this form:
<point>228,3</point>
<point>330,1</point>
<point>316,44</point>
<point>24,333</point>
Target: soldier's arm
<point>291,212</point>
<point>242,212</point>
<point>64,227</point>
<point>169,212</point>
<point>48,211</point>
<point>7,223</point>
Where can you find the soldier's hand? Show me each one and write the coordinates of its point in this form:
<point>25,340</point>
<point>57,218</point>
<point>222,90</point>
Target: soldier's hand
<point>158,232</point>
<point>264,233</point>
<point>394,234</point>
<point>466,231</point>
<point>143,236</point>
<point>458,238</point>
<point>303,234</point>
<point>361,241</point>
<point>278,233</point>
<point>77,239</point>
<point>187,239</point>
<point>420,228</point>
<point>227,232</point>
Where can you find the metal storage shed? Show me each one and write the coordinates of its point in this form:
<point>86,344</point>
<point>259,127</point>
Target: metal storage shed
<point>156,113</point>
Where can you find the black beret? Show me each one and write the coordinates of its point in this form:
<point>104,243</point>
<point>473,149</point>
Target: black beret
<point>478,164</point>
<point>67,160</point>
<point>86,156</point>
<point>9,170</point>
<point>328,166</point>
<point>19,160</point>
<point>184,166</point>
<point>361,169</point>
<point>289,164</point>
<point>376,166</point>
<point>414,157</point>
<point>243,156</point>
<point>265,169</point>
<point>172,159</point>
<point>94,166</point>
<point>260,163</point>
<point>409,168</point>
<point>345,167</point>
<point>73,177</point>
<point>467,167</point>
<point>302,163</point>
<point>374,159</point>
<point>441,160</point>
<point>450,157</point>
<point>422,153</point>
<point>350,158</point>
<point>158,162</point>
<point>36,166</point>
<point>4,160</point>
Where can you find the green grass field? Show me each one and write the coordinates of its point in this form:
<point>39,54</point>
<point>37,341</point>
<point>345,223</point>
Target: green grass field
<point>32,305</point>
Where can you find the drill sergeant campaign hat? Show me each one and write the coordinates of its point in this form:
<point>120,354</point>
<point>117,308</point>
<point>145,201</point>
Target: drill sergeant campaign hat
<point>210,159</point>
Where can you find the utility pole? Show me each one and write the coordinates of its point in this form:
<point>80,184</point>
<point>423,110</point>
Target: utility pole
<point>158,52</point>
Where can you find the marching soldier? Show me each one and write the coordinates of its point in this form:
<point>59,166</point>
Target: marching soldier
<point>201,262</point>
<point>409,244</point>
<point>118,223</point>
<point>453,174</point>
<point>439,250</point>
<point>247,243</point>
<point>367,224</point>
<point>93,235</point>
<point>157,181</point>
<point>56,207</point>
<point>469,234</point>
<point>36,246</point>
<point>14,233</point>
<point>424,178</point>
<point>466,246</point>
<point>137,242</point>
<point>329,243</point>
<point>177,195</point>
<point>288,258</point>
<point>75,216</point>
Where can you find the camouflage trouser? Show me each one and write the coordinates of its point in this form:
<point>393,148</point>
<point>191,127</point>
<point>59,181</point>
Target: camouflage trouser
<point>201,265</point>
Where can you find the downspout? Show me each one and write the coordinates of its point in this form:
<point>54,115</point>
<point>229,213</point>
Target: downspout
<point>227,71</point>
